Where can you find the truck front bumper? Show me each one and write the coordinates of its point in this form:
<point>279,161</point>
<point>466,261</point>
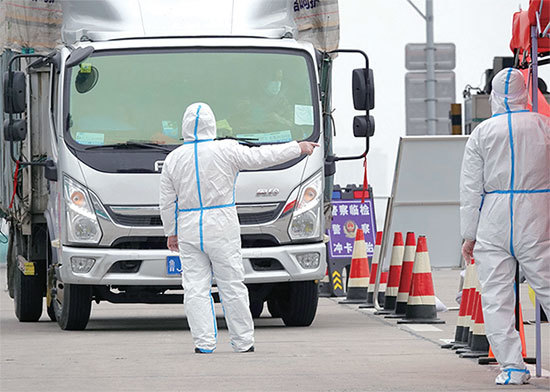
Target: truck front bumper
<point>153,269</point>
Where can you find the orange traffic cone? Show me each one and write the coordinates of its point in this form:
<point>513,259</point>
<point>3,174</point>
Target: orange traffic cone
<point>479,345</point>
<point>490,359</point>
<point>468,293</point>
<point>369,303</point>
<point>421,303</point>
<point>470,305</point>
<point>359,272</point>
<point>458,342</point>
<point>390,293</point>
<point>382,288</point>
<point>469,319</point>
<point>405,278</point>
<point>475,299</point>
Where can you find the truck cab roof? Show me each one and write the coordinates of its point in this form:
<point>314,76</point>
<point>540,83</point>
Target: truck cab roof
<point>103,20</point>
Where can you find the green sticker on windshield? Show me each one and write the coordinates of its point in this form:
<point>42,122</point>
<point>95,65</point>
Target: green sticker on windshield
<point>86,68</point>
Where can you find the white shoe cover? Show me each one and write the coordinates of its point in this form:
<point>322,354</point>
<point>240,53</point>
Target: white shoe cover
<point>513,377</point>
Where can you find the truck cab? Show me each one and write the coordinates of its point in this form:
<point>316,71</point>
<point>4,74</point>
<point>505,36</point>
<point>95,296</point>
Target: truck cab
<point>102,112</point>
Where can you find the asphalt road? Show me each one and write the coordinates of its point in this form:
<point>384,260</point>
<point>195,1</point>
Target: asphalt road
<point>149,348</point>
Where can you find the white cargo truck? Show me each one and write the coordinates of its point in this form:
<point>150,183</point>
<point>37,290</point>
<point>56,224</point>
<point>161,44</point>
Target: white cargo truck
<point>88,127</point>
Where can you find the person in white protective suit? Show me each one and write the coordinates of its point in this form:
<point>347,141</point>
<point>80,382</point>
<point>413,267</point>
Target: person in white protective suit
<point>505,213</point>
<point>197,204</point>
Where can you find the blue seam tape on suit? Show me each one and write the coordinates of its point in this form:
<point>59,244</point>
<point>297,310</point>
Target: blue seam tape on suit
<point>518,191</point>
<point>214,316</point>
<point>511,111</point>
<point>506,88</point>
<point>509,115</point>
<point>207,207</point>
<point>198,141</point>
<point>195,145</point>
<point>511,182</point>
<point>511,191</point>
<point>176,212</point>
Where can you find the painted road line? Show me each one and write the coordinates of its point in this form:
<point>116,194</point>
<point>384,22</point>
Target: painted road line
<point>424,328</point>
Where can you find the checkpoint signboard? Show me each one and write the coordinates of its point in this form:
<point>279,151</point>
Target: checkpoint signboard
<point>347,217</point>
<point>348,214</point>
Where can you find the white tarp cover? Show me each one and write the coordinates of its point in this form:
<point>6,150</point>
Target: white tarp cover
<point>28,24</point>
<point>36,24</point>
<point>318,22</point>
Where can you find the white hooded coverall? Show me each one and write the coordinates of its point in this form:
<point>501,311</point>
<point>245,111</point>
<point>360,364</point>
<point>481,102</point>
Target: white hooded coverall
<point>505,208</point>
<point>197,202</point>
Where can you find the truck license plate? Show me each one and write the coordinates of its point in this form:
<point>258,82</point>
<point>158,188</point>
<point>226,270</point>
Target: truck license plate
<point>173,265</point>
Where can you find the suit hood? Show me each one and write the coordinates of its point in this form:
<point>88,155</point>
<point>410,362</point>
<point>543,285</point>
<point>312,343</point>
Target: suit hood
<point>198,122</point>
<point>509,92</point>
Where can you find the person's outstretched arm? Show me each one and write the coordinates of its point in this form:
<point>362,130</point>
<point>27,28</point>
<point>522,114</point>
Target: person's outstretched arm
<point>251,158</point>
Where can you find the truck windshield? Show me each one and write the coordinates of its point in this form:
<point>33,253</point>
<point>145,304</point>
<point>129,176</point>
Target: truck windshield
<point>120,97</point>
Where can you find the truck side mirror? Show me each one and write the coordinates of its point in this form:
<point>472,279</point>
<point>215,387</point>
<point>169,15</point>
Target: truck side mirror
<point>16,131</point>
<point>363,126</point>
<point>15,97</point>
<point>362,82</point>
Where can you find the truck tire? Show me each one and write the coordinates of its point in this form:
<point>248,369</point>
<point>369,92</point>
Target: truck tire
<point>274,308</point>
<point>73,307</point>
<point>299,304</point>
<point>27,289</point>
<point>27,297</point>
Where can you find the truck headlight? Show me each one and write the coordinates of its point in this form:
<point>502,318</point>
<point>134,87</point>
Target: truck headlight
<point>82,224</point>
<point>306,222</point>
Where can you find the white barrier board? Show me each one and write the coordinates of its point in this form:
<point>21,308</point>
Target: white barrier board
<point>425,196</point>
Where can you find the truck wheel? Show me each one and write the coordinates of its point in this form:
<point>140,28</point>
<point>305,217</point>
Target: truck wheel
<point>27,289</point>
<point>299,304</point>
<point>72,305</point>
<point>274,308</point>
<point>27,297</point>
<point>256,308</point>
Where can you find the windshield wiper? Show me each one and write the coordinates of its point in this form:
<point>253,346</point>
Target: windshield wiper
<point>247,141</point>
<point>131,144</point>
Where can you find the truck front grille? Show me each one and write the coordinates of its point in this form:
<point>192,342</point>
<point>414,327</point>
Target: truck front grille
<point>247,241</point>
<point>137,220</point>
<point>263,215</point>
<point>256,214</point>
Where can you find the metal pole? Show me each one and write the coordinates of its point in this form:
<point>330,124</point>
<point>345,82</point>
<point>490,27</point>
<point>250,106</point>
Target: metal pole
<point>430,70</point>
<point>535,96</point>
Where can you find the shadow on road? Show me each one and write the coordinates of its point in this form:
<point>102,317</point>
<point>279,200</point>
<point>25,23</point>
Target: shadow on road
<point>99,324</point>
